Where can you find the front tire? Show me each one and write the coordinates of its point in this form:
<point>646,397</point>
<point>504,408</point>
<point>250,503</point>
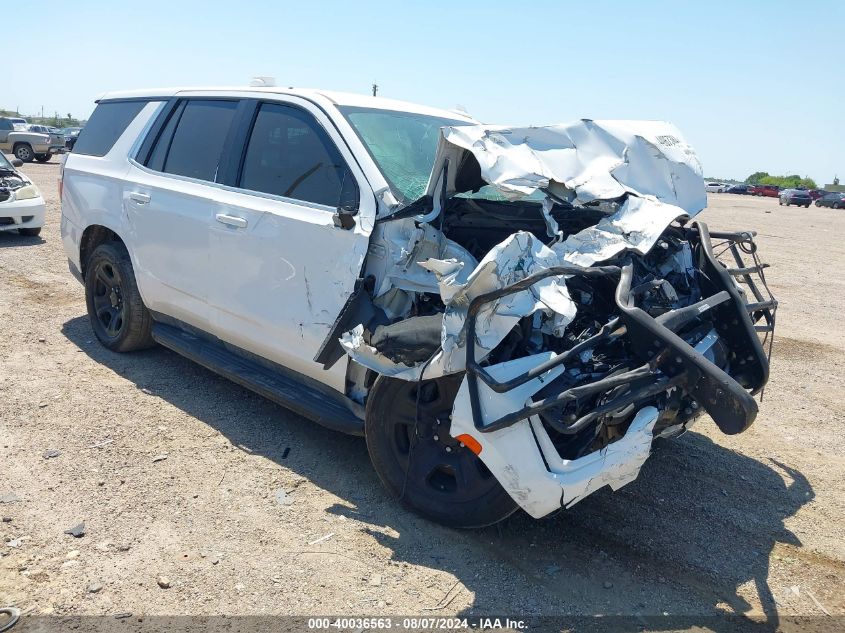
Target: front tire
<point>421,464</point>
<point>30,231</point>
<point>119,318</point>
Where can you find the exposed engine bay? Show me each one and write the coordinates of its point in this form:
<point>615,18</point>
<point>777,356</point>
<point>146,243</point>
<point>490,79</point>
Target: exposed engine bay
<point>561,272</point>
<point>10,182</point>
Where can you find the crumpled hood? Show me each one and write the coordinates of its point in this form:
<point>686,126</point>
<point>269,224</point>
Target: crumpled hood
<point>579,162</point>
<point>646,170</point>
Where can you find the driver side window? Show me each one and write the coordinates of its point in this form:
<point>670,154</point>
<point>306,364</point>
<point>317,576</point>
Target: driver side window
<point>289,155</point>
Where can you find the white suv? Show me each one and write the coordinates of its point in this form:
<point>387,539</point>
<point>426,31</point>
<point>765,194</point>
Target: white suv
<point>510,315</point>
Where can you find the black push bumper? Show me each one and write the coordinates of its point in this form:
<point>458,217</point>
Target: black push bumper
<point>664,359</point>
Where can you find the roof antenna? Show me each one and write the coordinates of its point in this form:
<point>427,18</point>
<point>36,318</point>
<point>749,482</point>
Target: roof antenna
<point>375,88</point>
<point>262,82</point>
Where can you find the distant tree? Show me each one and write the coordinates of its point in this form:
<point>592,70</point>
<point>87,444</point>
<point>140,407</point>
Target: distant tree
<point>792,181</point>
<point>756,177</point>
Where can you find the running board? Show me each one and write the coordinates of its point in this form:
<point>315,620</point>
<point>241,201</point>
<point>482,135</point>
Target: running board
<point>284,387</point>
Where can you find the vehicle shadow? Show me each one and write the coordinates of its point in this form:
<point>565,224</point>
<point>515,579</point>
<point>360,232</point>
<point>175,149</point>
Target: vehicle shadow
<point>687,538</point>
<point>13,239</point>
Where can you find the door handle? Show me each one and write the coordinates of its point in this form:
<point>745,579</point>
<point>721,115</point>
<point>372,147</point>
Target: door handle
<point>140,198</point>
<point>231,220</point>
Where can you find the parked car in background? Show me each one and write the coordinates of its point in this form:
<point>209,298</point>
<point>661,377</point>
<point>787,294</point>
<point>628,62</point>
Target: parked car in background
<point>25,145</point>
<point>815,194</point>
<point>834,199</point>
<point>771,191</point>
<point>57,141</point>
<point>71,134</point>
<point>352,258</point>
<point>739,189</point>
<point>800,197</point>
<point>21,205</point>
<point>715,187</point>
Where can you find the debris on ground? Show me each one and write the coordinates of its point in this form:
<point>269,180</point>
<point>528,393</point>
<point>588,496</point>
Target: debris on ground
<point>51,453</point>
<point>160,458</point>
<point>322,538</point>
<point>163,582</point>
<point>283,498</point>
<point>95,587</point>
<point>9,497</point>
<point>14,615</point>
<point>77,531</point>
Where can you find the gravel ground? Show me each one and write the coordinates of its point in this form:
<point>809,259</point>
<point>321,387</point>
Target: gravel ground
<point>176,472</point>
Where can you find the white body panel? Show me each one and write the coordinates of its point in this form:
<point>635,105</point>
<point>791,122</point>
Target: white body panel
<point>19,209</point>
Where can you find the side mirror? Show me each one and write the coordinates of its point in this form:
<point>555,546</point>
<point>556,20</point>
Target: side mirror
<point>17,162</point>
<point>347,206</point>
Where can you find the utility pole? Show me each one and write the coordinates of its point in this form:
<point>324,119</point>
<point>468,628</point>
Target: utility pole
<point>375,89</point>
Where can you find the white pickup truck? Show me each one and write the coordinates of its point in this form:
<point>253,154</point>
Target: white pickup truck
<point>15,138</point>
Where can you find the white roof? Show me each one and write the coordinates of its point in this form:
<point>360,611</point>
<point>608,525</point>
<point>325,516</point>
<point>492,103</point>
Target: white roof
<point>336,98</point>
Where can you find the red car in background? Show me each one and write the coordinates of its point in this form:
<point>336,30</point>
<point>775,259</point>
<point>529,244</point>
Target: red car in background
<point>771,191</point>
<point>815,194</point>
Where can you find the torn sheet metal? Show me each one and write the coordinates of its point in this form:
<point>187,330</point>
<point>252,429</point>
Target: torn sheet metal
<point>592,160</point>
<point>517,455</point>
<point>646,165</point>
<point>615,465</point>
<point>520,255</point>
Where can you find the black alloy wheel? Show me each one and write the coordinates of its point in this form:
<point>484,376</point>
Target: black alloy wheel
<point>109,306</point>
<point>419,461</point>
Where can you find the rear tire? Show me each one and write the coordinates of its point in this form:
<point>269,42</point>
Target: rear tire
<point>43,158</point>
<point>119,318</point>
<point>30,231</point>
<point>422,465</point>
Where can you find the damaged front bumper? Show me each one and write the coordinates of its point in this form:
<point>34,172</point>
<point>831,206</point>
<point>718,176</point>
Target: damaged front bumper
<point>497,404</point>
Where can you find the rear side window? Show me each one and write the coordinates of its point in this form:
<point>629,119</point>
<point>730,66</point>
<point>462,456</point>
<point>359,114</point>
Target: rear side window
<point>108,121</point>
<point>290,155</point>
<point>192,141</point>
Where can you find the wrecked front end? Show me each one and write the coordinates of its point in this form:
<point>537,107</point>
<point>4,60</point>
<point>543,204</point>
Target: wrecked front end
<point>559,274</point>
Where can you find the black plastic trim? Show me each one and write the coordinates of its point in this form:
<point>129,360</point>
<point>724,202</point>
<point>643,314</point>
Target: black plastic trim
<point>279,384</point>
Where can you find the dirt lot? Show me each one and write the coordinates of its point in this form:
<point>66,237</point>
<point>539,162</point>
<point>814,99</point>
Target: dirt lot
<point>749,524</point>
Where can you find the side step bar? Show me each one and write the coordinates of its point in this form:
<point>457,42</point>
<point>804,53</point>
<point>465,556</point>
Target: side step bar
<point>284,387</point>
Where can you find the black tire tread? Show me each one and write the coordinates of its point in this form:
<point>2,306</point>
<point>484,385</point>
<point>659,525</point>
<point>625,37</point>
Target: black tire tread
<point>138,333</point>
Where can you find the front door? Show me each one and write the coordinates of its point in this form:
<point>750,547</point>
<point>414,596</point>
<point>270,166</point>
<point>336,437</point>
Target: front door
<point>282,268</point>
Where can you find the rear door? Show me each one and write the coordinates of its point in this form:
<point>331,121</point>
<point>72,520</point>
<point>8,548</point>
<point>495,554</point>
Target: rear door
<point>282,267</point>
<point>170,199</point>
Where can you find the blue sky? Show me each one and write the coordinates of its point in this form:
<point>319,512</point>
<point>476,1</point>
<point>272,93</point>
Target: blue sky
<point>752,85</point>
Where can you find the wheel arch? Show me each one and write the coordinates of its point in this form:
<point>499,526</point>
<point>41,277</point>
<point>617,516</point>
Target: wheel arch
<point>92,237</point>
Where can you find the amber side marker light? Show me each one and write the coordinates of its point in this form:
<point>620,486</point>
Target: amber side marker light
<point>470,442</point>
